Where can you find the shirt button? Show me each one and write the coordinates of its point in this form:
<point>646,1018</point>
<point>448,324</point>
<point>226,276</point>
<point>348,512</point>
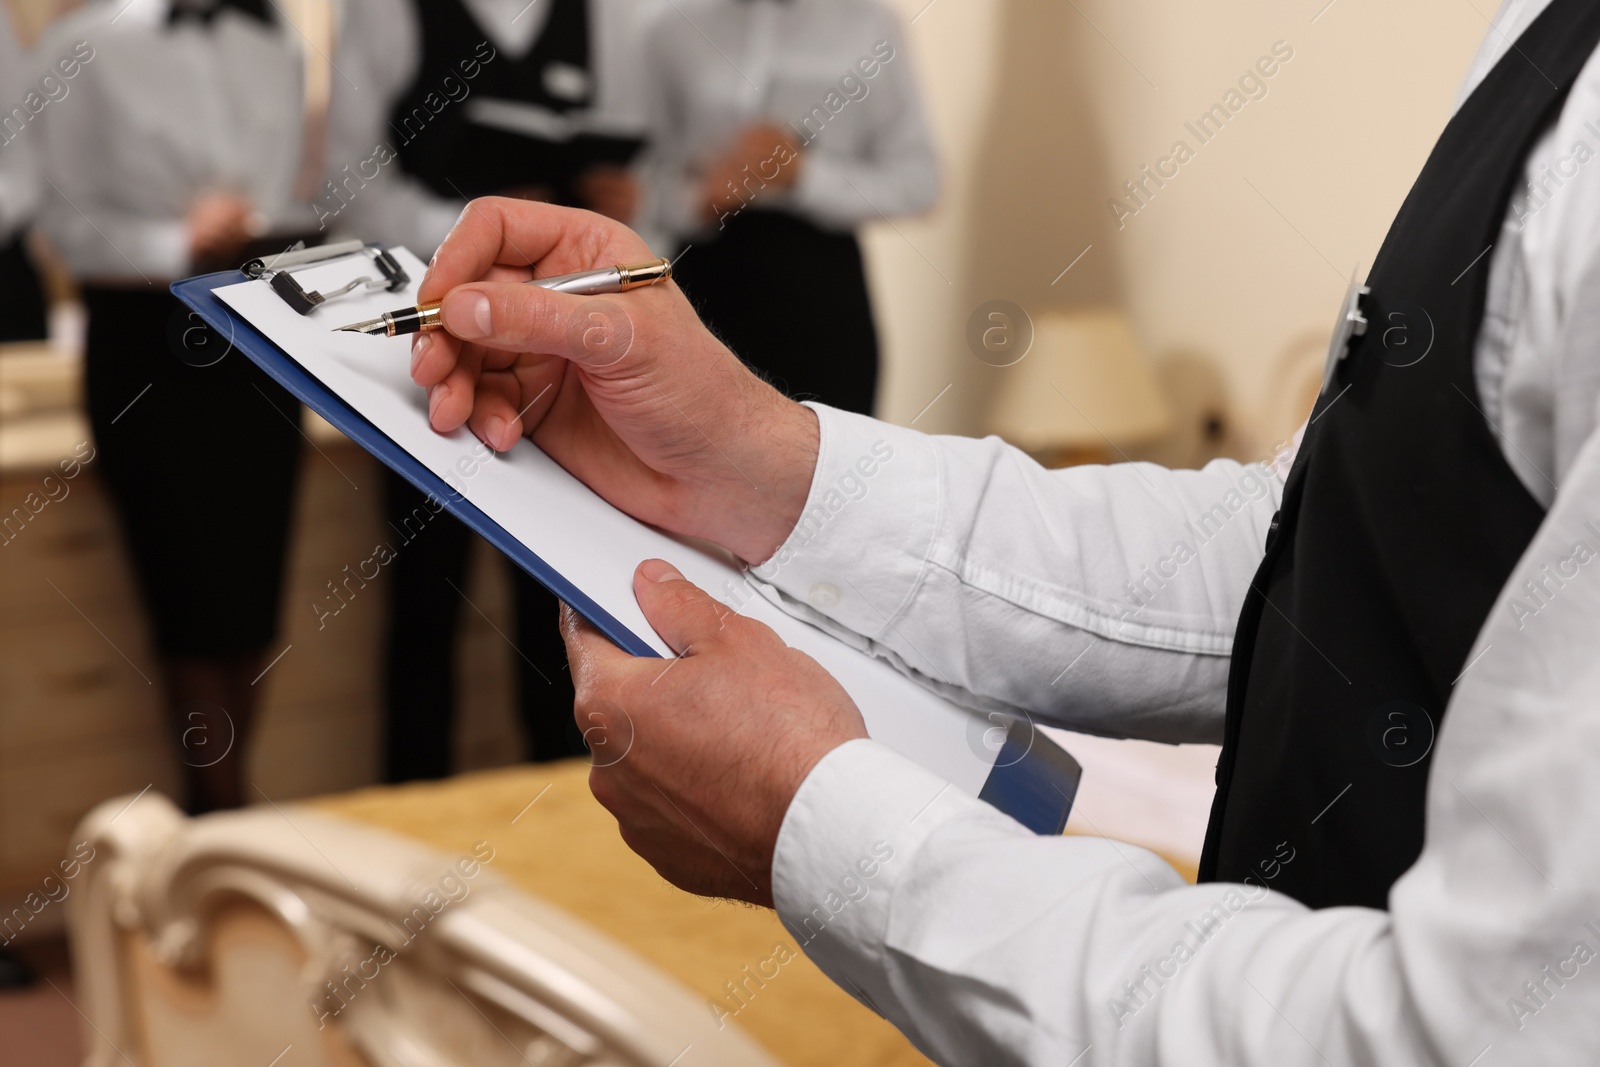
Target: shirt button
<point>824,595</point>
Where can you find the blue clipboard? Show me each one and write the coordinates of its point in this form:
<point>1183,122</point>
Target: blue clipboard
<point>1033,780</point>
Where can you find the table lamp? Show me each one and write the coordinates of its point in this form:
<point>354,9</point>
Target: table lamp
<point>1083,391</point>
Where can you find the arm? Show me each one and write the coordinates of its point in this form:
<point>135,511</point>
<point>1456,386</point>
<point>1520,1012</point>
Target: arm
<point>899,172</point>
<point>1099,597</point>
<point>986,944</point>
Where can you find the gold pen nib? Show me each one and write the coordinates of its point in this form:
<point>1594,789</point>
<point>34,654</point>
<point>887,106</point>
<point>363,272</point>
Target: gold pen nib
<point>370,327</point>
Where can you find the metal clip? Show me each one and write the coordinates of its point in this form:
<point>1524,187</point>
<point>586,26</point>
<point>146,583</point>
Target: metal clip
<point>274,270</point>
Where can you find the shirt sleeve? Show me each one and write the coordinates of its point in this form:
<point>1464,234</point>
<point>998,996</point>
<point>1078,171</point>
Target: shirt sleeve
<point>898,173</point>
<point>396,209</point>
<point>1102,598</point>
<point>985,943</point>
<point>1570,397</point>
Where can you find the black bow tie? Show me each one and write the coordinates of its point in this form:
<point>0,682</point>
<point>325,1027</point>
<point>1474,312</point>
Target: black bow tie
<point>204,15</point>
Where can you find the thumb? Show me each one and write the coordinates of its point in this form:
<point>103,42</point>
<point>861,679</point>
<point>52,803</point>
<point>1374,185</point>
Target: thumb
<point>509,315</point>
<point>680,611</point>
<point>518,317</point>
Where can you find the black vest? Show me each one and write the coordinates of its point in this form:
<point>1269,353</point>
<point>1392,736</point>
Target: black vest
<point>1401,521</point>
<point>455,157</point>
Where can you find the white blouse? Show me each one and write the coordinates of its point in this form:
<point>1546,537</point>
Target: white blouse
<point>159,116</point>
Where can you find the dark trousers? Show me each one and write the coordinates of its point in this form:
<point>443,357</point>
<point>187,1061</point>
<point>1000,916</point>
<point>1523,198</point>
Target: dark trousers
<point>790,299</point>
<point>428,587</point>
<point>24,318</point>
<point>201,455</point>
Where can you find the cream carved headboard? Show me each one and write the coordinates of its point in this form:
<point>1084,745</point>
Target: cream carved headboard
<point>283,938</point>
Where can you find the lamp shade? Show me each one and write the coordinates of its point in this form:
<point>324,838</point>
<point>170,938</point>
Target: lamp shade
<point>1083,384</point>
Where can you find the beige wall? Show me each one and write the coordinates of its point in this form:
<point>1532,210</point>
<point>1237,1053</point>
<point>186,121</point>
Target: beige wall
<point>1040,120</point>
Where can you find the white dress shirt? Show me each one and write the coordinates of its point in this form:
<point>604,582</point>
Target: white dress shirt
<point>19,183</point>
<point>1005,585</point>
<point>381,52</point>
<point>719,66</point>
<point>161,116</point>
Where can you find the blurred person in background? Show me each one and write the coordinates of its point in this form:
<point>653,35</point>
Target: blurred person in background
<point>24,319</point>
<point>472,97</point>
<point>181,140</point>
<point>779,127</point>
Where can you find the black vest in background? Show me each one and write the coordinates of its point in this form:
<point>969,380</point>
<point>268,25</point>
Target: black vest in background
<point>458,158</point>
<point>1401,522</point>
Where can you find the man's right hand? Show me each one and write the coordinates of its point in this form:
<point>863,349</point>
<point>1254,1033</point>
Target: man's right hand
<point>631,393</point>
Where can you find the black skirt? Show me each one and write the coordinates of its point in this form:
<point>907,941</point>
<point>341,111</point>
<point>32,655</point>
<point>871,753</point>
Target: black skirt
<point>791,300</point>
<point>200,462</point>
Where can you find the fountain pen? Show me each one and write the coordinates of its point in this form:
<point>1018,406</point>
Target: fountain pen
<point>617,279</point>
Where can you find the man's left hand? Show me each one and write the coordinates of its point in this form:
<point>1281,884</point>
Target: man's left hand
<point>698,757</point>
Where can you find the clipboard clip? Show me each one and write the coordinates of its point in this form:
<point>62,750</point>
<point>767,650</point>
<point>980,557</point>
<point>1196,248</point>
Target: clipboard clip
<point>275,271</point>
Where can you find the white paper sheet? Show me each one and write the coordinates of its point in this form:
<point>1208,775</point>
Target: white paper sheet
<point>591,543</point>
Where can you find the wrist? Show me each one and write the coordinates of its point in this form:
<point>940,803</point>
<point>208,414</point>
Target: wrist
<point>783,439</point>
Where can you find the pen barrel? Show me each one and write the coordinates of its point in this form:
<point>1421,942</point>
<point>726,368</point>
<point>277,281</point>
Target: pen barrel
<point>584,283</point>
<point>413,320</point>
<point>618,279</point>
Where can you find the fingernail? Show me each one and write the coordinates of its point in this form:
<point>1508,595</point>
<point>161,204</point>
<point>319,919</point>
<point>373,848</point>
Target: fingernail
<point>419,348</point>
<point>494,428</point>
<point>436,397</point>
<point>657,570</point>
<point>467,315</point>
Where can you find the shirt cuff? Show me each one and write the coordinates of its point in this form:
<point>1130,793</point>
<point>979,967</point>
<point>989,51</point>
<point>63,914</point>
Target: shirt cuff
<point>856,557</point>
<point>823,193</point>
<point>16,204</point>
<point>163,248</point>
<point>434,222</point>
<point>679,209</point>
<point>846,843</point>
